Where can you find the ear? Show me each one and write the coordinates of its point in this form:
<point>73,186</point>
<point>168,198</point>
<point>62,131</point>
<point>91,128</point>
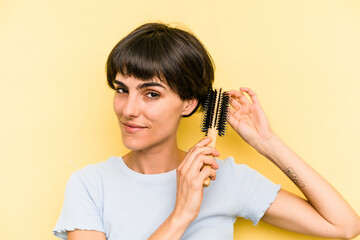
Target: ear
<point>189,106</point>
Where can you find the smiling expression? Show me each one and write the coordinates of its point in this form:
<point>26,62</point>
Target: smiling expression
<point>148,112</point>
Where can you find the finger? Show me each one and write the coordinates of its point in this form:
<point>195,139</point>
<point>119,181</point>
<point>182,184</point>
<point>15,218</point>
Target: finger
<point>202,160</point>
<point>234,93</point>
<point>235,103</point>
<point>251,93</point>
<point>206,182</point>
<point>240,96</point>
<point>203,155</point>
<point>194,152</point>
<point>204,174</point>
<point>203,142</point>
<point>211,161</point>
<point>231,112</point>
<point>231,118</point>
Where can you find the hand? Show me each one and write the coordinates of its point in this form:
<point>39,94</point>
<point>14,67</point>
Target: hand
<point>247,117</point>
<point>190,178</point>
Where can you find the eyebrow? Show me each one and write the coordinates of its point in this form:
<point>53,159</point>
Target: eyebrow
<point>144,85</point>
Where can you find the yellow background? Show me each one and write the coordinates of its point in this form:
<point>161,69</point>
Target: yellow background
<point>301,57</point>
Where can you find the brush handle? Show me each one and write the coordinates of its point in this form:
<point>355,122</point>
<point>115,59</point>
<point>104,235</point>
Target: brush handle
<point>213,133</point>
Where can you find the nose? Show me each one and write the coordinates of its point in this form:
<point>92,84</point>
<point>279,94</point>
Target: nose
<point>131,107</point>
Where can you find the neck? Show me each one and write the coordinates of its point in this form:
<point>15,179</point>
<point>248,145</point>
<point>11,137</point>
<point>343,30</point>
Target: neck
<point>155,160</point>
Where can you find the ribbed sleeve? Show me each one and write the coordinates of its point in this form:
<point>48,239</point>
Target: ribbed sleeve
<point>81,208</point>
<point>257,193</point>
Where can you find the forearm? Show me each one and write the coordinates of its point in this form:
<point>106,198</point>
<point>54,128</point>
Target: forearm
<point>189,190</point>
<point>172,228</point>
<point>321,195</point>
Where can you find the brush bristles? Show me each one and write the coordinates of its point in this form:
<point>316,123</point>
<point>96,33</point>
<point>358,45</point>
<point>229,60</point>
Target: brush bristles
<point>209,108</point>
<point>221,112</point>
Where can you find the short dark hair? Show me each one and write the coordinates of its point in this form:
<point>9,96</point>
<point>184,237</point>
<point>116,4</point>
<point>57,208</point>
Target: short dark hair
<point>173,55</point>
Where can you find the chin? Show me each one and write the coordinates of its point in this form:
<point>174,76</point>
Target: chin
<point>133,144</point>
<point>139,143</point>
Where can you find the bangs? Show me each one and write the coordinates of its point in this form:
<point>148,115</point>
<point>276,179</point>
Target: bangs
<point>145,58</point>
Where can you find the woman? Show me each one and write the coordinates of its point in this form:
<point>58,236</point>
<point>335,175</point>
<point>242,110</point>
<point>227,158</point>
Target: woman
<point>161,74</point>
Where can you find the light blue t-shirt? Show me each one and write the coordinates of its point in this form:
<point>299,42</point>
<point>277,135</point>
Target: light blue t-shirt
<point>110,197</point>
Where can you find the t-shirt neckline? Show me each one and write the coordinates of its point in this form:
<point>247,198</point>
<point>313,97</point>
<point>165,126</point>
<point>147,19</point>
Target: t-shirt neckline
<point>160,177</point>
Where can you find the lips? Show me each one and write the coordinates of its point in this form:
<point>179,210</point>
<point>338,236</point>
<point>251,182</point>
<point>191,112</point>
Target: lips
<point>132,127</point>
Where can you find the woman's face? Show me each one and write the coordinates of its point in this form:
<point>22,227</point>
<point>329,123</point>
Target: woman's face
<point>148,111</point>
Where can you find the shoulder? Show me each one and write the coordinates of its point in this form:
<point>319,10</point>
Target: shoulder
<point>92,175</point>
<point>244,174</point>
<point>99,168</point>
<point>229,164</point>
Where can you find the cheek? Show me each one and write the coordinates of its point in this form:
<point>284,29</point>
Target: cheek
<point>166,117</point>
<point>117,106</point>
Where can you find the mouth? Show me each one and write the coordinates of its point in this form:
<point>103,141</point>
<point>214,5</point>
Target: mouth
<point>132,127</point>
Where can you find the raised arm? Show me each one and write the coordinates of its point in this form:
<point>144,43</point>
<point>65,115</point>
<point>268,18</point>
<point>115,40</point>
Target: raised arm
<point>78,234</point>
<point>324,213</point>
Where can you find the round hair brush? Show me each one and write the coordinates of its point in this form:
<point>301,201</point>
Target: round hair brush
<point>216,107</point>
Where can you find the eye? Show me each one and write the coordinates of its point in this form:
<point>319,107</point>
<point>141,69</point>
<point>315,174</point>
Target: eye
<point>153,95</point>
<point>121,90</point>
